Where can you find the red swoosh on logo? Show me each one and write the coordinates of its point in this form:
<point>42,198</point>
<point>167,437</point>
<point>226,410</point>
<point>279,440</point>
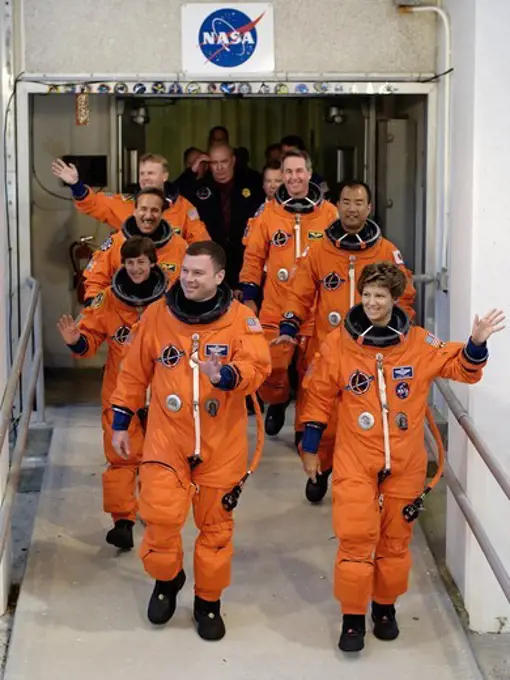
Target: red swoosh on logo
<point>243,29</point>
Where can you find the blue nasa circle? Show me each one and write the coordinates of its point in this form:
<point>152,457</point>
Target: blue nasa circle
<point>227,38</point>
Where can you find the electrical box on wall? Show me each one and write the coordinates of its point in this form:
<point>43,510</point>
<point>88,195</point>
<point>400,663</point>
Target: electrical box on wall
<point>93,170</point>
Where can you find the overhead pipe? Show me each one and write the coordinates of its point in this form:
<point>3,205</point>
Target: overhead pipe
<point>446,70</point>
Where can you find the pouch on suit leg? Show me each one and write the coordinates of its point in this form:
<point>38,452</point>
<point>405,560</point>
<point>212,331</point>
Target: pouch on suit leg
<point>356,520</point>
<point>119,478</point>
<point>392,555</point>
<point>213,547</point>
<point>164,505</point>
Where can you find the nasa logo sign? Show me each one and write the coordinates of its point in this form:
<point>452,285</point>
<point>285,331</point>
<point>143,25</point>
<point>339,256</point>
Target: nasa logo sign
<point>227,39</point>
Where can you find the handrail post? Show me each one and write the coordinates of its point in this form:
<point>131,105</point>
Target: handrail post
<point>38,345</point>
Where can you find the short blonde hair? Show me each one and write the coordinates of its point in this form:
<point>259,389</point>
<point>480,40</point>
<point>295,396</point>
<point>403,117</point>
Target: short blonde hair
<point>155,158</point>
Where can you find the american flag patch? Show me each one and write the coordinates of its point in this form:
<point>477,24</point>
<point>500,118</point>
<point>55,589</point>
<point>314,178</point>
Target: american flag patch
<point>253,325</point>
<point>433,341</point>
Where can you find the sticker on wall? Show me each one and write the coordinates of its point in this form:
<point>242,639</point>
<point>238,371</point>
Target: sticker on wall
<point>354,89</point>
<point>120,88</point>
<point>69,89</point>
<point>53,89</point>
<point>281,88</point>
<point>387,88</point>
<point>212,88</point>
<point>228,88</point>
<point>139,88</point>
<point>322,88</point>
<point>193,88</point>
<point>84,89</point>
<point>264,89</point>
<point>244,88</point>
<point>338,88</point>
<point>103,88</point>
<point>158,87</point>
<point>175,88</point>
<point>301,88</point>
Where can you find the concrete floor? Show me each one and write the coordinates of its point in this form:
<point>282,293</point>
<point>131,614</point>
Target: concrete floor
<point>82,607</point>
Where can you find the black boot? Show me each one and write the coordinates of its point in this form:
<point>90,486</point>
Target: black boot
<point>352,638</point>
<point>207,616</point>
<point>385,622</point>
<point>275,419</point>
<point>121,536</point>
<point>164,599</point>
<point>315,491</point>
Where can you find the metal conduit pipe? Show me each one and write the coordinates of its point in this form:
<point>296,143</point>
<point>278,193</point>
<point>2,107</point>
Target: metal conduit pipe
<point>467,510</point>
<point>446,70</point>
<point>474,436</point>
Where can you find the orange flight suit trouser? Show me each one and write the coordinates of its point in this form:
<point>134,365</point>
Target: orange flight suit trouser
<point>120,477</point>
<point>373,560</point>
<point>276,388</point>
<point>164,506</point>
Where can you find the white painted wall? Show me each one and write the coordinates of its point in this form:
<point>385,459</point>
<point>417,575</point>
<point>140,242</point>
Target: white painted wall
<point>478,278</point>
<point>56,223</point>
<point>351,36</point>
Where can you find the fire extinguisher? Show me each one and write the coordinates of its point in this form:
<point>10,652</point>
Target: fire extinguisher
<point>81,254</point>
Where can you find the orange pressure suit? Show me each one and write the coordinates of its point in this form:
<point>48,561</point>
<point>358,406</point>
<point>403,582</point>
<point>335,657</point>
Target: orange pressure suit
<point>110,318</point>
<point>255,220</point>
<point>327,276</point>
<point>117,208</point>
<point>379,377</point>
<point>278,238</point>
<point>191,421</point>
<point>170,251</point>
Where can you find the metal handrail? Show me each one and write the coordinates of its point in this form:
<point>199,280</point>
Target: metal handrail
<point>35,387</point>
<point>474,436</point>
<point>495,563</point>
<point>465,506</point>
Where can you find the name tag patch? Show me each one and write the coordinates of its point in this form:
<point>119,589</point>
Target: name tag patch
<point>403,372</point>
<point>216,350</point>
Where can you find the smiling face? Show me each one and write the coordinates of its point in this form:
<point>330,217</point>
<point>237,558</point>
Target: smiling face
<point>272,180</point>
<point>148,213</point>
<point>138,268</point>
<point>200,277</point>
<point>377,304</point>
<point>296,176</point>
<point>354,208</point>
<point>152,174</point>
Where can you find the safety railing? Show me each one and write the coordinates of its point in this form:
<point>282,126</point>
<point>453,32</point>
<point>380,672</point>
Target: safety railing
<point>458,492</point>
<point>30,339</point>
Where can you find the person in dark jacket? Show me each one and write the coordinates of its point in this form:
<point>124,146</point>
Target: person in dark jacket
<point>226,198</point>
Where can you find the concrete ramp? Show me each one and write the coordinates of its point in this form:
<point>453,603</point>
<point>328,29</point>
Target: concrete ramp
<point>82,609</point>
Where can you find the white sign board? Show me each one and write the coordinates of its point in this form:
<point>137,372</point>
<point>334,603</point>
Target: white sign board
<point>227,39</point>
